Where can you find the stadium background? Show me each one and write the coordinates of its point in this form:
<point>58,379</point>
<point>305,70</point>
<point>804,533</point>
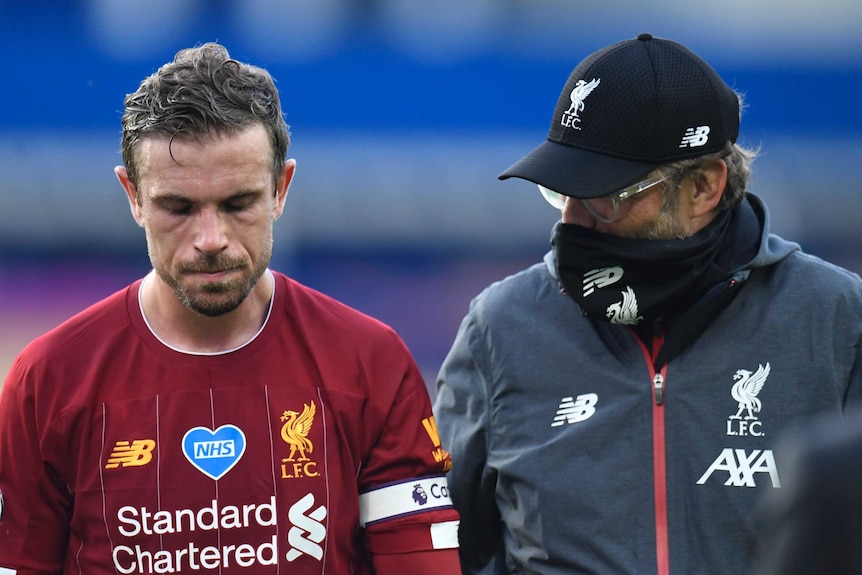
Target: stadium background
<point>402,112</point>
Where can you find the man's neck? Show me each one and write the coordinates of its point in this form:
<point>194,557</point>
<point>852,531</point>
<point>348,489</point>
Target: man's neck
<point>185,330</point>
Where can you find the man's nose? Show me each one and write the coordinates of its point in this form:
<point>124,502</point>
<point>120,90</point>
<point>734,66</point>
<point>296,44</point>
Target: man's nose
<point>211,236</point>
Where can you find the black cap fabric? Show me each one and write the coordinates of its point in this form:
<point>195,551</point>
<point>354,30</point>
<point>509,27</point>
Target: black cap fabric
<point>627,109</point>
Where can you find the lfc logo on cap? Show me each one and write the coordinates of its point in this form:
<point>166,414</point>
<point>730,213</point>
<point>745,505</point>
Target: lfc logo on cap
<point>579,93</point>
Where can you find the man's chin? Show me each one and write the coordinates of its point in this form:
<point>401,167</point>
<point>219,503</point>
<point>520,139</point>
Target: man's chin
<point>213,303</point>
<point>212,308</point>
<point>214,298</point>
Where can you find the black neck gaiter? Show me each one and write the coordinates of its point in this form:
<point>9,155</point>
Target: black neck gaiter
<point>629,281</point>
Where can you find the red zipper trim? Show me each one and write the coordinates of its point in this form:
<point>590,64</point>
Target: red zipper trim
<point>659,457</point>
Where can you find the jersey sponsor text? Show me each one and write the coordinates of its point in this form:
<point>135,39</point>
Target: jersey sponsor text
<point>136,521</point>
<point>741,467</point>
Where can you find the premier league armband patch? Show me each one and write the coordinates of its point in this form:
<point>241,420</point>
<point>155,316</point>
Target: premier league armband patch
<point>403,498</point>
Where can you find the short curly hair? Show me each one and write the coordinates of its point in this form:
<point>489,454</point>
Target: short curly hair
<point>203,91</point>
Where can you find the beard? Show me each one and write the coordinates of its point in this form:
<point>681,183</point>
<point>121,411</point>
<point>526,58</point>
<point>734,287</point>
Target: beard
<point>668,225</point>
<point>213,299</point>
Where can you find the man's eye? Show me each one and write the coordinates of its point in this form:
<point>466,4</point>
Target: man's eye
<point>177,208</point>
<point>238,204</point>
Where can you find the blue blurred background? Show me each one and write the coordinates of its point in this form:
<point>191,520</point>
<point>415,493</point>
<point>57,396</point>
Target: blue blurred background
<point>402,112</point>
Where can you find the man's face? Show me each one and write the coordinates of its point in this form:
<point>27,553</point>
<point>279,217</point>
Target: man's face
<point>208,209</point>
<point>655,214</point>
<point>662,212</point>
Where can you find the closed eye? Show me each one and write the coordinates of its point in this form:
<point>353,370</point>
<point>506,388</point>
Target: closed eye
<point>175,206</point>
<point>239,203</point>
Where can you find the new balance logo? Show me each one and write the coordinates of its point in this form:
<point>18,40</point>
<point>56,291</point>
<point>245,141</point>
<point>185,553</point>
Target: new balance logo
<point>308,529</point>
<point>695,137</point>
<point>134,454</point>
<point>575,409</point>
<point>601,277</point>
<point>741,467</point>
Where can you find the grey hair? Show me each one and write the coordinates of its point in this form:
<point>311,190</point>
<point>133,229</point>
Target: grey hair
<point>738,160</point>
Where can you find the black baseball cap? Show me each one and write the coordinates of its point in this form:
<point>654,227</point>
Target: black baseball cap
<point>627,109</point>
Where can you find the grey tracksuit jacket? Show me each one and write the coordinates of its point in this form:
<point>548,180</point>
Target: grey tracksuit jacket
<point>574,453</point>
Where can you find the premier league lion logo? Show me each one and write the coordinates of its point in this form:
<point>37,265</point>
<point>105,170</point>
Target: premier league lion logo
<point>419,495</point>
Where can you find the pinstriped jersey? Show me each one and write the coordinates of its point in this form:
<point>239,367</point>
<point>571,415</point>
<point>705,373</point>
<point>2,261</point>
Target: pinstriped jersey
<point>303,451</point>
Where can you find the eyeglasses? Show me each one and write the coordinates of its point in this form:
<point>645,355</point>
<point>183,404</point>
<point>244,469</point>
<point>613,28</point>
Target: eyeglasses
<point>604,208</point>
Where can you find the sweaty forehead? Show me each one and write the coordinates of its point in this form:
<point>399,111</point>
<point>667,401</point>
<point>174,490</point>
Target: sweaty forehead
<point>205,170</point>
<point>246,151</point>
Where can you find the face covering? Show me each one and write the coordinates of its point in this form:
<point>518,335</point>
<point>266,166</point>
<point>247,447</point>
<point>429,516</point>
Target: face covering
<point>629,281</point>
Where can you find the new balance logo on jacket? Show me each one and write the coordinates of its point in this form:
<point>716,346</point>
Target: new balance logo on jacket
<point>573,410</point>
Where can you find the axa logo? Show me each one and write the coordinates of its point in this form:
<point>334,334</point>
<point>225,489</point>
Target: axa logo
<point>294,431</point>
<point>577,96</point>
<point>439,454</point>
<point>307,529</point>
<point>695,137</point>
<point>740,467</point>
<point>601,277</point>
<point>745,391</point>
<point>134,453</point>
<point>575,409</point>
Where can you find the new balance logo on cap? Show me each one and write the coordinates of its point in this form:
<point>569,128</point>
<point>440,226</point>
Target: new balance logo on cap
<point>575,409</point>
<point>695,137</point>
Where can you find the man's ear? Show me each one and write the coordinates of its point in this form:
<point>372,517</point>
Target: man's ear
<point>131,193</point>
<point>282,186</point>
<point>709,183</point>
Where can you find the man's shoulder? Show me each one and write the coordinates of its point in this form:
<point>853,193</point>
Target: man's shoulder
<point>73,342</point>
<point>536,276</point>
<point>531,291</point>
<point>102,317</point>
<point>820,273</point>
<point>306,304</point>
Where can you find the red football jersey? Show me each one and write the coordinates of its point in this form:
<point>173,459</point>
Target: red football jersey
<point>303,451</point>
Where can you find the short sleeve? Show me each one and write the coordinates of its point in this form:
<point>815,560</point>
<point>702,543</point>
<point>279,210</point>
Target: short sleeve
<point>404,494</point>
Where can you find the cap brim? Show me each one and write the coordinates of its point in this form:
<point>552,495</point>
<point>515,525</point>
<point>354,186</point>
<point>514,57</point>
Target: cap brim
<point>576,172</point>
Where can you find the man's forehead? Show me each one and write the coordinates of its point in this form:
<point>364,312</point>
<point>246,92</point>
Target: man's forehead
<point>248,150</point>
<point>174,144</point>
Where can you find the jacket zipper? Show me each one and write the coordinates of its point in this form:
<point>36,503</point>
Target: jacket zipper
<point>659,380</point>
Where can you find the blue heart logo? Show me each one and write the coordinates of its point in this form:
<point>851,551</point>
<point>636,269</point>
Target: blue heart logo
<point>214,453</point>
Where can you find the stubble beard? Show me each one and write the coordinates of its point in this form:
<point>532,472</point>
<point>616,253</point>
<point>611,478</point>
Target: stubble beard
<point>214,299</point>
<point>668,225</point>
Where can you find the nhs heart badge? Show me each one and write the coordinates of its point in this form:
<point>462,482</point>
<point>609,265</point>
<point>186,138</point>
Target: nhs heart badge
<point>214,453</point>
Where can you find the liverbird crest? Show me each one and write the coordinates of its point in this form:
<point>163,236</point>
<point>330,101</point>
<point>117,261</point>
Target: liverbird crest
<point>295,430</point>
<point>626,311</point>
<point>579,93</point>
<point>747,388</point>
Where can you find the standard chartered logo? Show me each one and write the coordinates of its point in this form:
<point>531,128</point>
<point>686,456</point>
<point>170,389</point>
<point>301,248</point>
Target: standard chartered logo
<point>304,537</point>
<point>135,521</point>
<point>307,530</point>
